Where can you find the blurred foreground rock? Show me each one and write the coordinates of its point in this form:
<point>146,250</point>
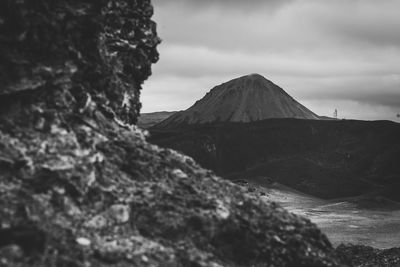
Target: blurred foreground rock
<point>79,184</point>
<point>364,256</point>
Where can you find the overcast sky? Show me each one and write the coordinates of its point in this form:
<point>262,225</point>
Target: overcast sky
<point>327,54</point>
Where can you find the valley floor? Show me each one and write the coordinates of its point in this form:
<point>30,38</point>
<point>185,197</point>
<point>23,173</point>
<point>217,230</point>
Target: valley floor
<point>342,221</point>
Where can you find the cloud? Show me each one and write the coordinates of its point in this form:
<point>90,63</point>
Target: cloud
<point>224,4</point>
<point>199,61</point>
<point>380,90</point>
<point>293,25</point>
<point>348,109</point>
<point>327,51</point>
<point>363,22</point>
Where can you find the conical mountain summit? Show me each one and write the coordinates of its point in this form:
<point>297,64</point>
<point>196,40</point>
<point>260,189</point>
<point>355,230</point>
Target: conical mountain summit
<point>244,99</point>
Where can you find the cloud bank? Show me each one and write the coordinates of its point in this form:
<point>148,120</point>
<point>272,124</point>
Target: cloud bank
<point>342,54</point>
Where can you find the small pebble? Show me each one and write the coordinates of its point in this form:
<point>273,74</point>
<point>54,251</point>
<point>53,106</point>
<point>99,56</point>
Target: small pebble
<point>120,213</point>
<point>179,173</point>
<point>144,258</point>
<point>83,241</point>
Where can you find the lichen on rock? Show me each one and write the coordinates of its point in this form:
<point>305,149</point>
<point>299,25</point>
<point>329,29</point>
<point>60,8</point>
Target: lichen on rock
<point>79,184</point>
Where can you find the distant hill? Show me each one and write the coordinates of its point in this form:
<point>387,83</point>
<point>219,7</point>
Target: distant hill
<point>245,99</point>
<point>324,158</point>
<point>146,120</point>
<point>328,118</point>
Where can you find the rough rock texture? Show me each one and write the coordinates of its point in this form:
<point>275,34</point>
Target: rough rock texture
<point>364,256</point>
<point>244,99</point>
<point>123,201</point>
<point>79,184</point>
<point>85,54</point>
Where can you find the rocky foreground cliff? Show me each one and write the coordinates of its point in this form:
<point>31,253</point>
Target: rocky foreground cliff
<point>79,184</point>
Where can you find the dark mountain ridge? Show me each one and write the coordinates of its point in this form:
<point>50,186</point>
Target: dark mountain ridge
<point>328,159</point>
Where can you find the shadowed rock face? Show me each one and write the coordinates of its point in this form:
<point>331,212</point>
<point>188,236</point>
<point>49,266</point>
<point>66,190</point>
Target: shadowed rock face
<point>245,99</point>
<point>79,184</point>
<point>86,55</point>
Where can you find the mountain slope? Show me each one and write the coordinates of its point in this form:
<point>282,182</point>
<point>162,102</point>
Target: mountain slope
<point>328,159</point>
<point>245,99</point>
<point>146,120</point>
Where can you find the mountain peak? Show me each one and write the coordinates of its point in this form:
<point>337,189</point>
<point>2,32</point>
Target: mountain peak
<point>255,76</point>
<point>252,77</point>
<point>248,98</point>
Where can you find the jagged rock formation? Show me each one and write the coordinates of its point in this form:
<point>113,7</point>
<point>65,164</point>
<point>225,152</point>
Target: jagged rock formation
<point>79,184</point>
<point>95,53</point>
<point>245,99</point>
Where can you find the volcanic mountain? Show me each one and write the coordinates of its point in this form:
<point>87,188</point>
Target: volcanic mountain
<point>244,99</point>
